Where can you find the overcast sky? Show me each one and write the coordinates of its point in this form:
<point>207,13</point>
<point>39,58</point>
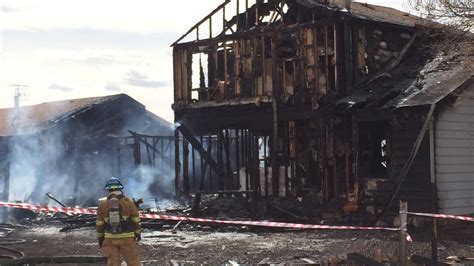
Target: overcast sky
<point>64,49</point>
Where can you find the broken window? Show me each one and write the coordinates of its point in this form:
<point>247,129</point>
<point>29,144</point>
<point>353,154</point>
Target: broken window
<point>199,76</point>
<point>373,149</point>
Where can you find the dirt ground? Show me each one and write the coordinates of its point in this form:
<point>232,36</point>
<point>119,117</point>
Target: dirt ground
<point>203,244</point>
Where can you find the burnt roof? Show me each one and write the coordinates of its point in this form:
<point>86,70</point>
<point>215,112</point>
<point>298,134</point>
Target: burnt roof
<point>363,11</point>
<point>419,80</point>
<point>35,118</point>
<point>370,12</point>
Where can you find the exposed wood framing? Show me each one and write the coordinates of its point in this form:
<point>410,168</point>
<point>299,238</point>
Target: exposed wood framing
<point>217,9</point>
<point>277,78</point>
<point>199,148</point>
<point>397,61</point>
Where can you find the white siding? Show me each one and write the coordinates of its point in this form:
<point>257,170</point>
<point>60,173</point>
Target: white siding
<point>454,142</point>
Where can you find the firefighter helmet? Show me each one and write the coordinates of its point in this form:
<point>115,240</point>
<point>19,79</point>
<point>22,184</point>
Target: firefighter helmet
<point>113,184</point>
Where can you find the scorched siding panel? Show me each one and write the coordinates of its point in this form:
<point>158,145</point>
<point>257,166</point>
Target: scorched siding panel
<point>454,150</point>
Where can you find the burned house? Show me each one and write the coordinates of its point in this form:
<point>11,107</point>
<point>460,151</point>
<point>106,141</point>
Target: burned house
<point>69,148</point>
<point>333,99</point>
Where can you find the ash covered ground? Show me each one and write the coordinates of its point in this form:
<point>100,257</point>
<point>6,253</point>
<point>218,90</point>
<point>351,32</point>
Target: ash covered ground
<point>219,245</point>
<point>164,242</point>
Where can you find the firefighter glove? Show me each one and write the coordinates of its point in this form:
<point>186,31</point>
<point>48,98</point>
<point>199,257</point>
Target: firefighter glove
<point>101,242</point>
<point>139,237</point>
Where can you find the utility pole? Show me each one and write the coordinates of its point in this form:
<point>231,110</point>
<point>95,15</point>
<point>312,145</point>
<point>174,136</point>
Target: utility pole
<point>16,98</point>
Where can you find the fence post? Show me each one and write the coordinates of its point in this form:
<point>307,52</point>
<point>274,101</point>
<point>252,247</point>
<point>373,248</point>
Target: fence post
<point>402,249</point>
<point>6,190</point>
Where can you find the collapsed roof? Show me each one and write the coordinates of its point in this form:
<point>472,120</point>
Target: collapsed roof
<point>369,12</point>
<point>36,118</point>
<point>418,80</point>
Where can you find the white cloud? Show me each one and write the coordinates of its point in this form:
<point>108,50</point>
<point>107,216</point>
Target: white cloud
<point>55,86</point>
<point>138,79</point>
<point>134,16</point>
<point>110,86</point>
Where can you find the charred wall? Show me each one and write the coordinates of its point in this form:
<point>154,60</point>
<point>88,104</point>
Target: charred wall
<point>267,88</point>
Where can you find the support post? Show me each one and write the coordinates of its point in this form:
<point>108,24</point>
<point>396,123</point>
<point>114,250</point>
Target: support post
<point>220,161</point>
<point>176,162</point>
<point>137,150</point>
<point>196,145</point>
<point>185,168</point>
<point>228,166</point>
<point>402,249</point>
<point>255,176</point>
<point>434,192</point>
<point>193,171</point>
<point>274,150</point>
<point>247,154</point>
<point>237,158</point>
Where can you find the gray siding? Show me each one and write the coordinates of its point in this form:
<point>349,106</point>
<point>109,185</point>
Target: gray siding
<point>454,149</point>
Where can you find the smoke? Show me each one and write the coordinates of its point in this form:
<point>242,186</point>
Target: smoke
<point>150,183</point>
<point>37,167</point>
<point>76,170</point>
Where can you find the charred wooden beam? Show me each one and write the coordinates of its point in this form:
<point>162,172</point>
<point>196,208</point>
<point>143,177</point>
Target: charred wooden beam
<point>176,161</point>
<point>49,195</point>
<point>200,149</point>
<point>185,168</point>
<point>193,170</point>
<point>257,32</point>
<point>255,175</point>
<point>229,183</point>
<point>209,150</point>
<point>237,158</point>
<point>137,151</point>
<point>220,161</point>
<point>141,137</point>
<point>275,152</point>
<point>396,61</point>
<point>150,136</point>
<point>202,21</point>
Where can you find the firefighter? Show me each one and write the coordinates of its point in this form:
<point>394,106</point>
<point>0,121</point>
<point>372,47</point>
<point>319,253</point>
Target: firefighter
<point>118,226</point>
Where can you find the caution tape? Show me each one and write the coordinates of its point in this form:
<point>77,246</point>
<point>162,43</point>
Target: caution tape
<point>152,216</point>
<point>443,216</point>
<point>262,223</point>
<point>39,208</point>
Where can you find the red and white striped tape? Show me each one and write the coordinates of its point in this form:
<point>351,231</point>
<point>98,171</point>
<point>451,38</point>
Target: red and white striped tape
<point>444,216</point>
<point>261,223</point>
<point>39,208</point>
<point>152,216</point>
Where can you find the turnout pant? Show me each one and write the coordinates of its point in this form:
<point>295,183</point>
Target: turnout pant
<point>128,247</point>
